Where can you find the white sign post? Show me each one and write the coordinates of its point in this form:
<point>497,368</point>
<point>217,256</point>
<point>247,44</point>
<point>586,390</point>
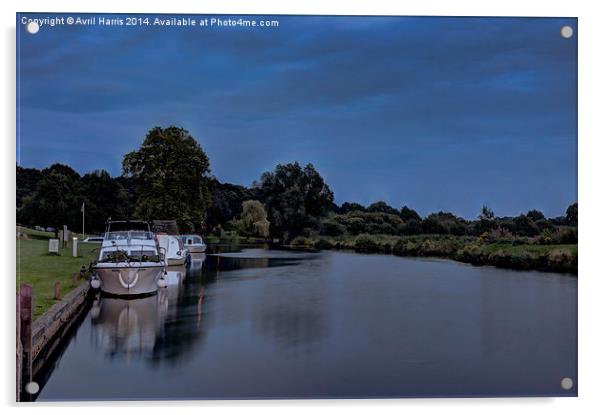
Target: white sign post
<point>65,236</point>
<point>53,246</point>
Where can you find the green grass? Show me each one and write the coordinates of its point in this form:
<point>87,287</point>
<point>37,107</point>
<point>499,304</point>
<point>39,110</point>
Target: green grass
<point>32,233</point>
<point>36,267</point>
<point>35,234</point>
<point>533,249</point>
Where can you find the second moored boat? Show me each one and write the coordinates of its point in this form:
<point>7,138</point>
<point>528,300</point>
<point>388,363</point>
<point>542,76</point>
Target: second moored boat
<point>194,244</point>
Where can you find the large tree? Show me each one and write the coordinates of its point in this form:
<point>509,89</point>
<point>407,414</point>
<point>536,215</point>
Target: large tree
<point>27,181</point>
<point>406,214</point>
<point>381,207</point>
<point>169,172</point>
<point>571,215</point>
<point>56,201</point>
<point>226,203</point>
<point>104,197</point>
<point>295,197</point>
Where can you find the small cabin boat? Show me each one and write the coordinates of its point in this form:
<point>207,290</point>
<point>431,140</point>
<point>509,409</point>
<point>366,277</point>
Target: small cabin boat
<point>194,244</point>
<point>129,261</point>
<point>175,252</point>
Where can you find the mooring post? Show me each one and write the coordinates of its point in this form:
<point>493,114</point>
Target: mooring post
<point>26,316</point>
<point>57,290</point>
<point>19,361</point>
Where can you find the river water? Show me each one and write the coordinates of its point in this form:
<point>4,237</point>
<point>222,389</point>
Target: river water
<point>259,323</point>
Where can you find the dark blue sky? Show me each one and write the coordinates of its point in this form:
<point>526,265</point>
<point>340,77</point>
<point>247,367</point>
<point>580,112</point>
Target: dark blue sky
<point>436,113</point>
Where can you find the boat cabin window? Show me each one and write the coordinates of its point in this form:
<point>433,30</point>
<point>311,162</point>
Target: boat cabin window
<point>122,235</point>
<point>132,253</point>
<point>193,240</point>
<point>107,252</point>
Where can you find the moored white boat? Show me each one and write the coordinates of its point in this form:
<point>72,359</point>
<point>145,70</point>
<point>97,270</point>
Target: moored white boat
<point>129,262</point>
<point>194,244</point>
<point>175,252</point>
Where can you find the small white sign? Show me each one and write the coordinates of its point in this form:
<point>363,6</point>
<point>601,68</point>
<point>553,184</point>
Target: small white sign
<point>53,246</point>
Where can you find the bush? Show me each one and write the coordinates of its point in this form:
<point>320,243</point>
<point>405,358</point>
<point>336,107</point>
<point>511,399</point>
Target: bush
<point>412,227</point>
<point>544,224</point>
<point>471,253</point>
<point>546,237</point>
<point>525,226</point>
<point>562,261</point>
<point>518,260</point>
<point>331,227</point>
<point>427,248</point>
<point>566,236</point>
<point>323,244</point>
<point>366,244</point>
<point>405,248</point>
<point>301,241</point>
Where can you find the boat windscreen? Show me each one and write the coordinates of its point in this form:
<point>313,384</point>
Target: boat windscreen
<point>134,225</point>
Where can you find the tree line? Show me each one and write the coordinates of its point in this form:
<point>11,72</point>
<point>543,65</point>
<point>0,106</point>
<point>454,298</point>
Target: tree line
<point>169,177</point>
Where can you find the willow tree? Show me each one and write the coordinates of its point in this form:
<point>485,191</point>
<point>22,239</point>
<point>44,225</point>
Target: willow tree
<point>170,172</point>
<point>253,220</point>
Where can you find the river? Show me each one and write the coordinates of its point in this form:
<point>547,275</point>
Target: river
<point>260,323</point>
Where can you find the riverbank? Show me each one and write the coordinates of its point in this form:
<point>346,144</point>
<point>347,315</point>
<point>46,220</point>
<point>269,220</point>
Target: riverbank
<point>42,270</point>
<point>510,253</point>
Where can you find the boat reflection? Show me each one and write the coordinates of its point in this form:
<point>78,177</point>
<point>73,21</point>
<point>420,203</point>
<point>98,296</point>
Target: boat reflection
<point>133,328</point>
<point>127,328</point>
<point>196,264</point>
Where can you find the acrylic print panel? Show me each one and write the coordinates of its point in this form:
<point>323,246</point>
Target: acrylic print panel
<point>257,207</point>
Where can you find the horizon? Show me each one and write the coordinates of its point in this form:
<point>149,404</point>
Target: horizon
<point>427,112</point>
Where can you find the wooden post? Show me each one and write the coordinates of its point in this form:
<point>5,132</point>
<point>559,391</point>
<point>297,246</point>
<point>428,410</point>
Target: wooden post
<point>57,290</point>
<point>74,280</point>
<point>19,361</point>
<point>26,316</point>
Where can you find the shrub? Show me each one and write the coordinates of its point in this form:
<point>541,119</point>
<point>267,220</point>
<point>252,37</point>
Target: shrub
<point>301,241</point>
<point>566,236</point>
<point>471,253</point>
<point>323,244</point>
<point>546,237</point>
<point>412,227</point>
<point>562,261</point>
<point>366,244</point>
<point>331,227</point>
<point>544,224</point>
<point>405,248</point>
<point>525,226</point>
<point>427,247</point>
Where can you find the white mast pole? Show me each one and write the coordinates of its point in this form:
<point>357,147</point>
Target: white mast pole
<point>83,220</point>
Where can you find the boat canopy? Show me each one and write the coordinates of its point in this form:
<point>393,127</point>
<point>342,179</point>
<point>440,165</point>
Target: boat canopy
<point>127,225</point>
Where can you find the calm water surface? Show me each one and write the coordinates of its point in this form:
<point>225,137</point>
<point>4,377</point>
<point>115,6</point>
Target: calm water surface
<point>275,324</point>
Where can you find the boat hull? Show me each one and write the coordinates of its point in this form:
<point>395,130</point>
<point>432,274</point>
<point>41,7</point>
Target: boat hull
<point>198,249</point>
<point>176,261</point>
<point>129,280</point>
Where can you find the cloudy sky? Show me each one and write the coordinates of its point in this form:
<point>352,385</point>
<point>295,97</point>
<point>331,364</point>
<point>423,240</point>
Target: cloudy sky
<point>435,113</point>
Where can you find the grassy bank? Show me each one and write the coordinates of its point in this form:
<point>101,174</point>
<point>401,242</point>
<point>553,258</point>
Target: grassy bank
<point>513,253</point>
<point>36,267</point>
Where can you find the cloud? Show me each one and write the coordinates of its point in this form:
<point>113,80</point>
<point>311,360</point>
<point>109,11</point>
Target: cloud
<point>423,100</point>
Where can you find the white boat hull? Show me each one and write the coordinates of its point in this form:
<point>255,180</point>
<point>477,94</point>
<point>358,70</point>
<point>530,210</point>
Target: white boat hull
<point>176,261</point>
<point>129,279</point>
<point>196,249</point>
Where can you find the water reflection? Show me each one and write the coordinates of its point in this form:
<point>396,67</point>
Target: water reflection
<point>263,323</point>
<point>134,328</point>
<point>127,328</point>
